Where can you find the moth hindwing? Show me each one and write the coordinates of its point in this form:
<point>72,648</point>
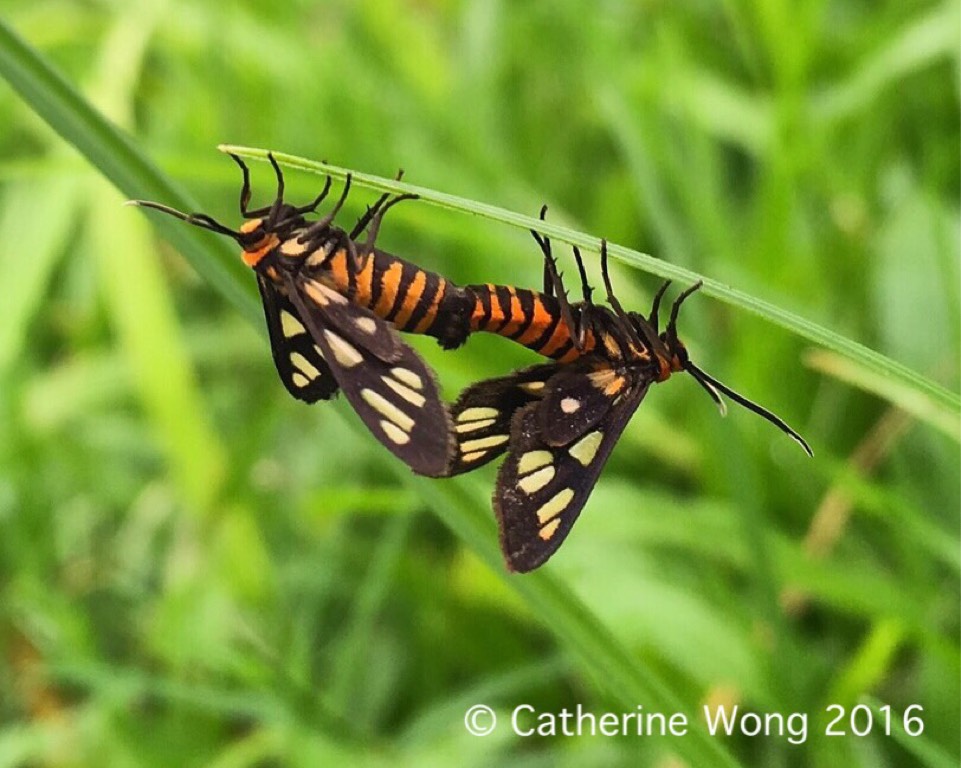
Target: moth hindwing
<point>482,414</point>
<point>545,481</point>
<point>386,382</point>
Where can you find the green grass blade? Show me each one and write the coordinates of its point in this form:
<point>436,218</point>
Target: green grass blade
<point>919,404</point>
<point>116,157</point>
<point>887,373</point>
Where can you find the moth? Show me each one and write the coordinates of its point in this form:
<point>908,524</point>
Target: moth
<point>558,422</point>
<point>323,339</point>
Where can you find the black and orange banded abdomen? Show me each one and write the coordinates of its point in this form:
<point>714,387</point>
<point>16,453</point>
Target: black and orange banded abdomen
<point>413,299</point>
<point>531,318</point>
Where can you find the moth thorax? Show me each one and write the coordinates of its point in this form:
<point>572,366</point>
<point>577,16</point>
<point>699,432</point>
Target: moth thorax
<point>254,253</point>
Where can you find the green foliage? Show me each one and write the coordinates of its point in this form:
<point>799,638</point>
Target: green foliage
<point>196,570</point>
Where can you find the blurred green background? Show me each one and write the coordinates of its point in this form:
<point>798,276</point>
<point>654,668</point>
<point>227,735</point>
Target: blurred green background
<point>197,570</point>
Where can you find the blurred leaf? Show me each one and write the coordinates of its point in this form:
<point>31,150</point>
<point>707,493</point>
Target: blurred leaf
<point>913,400</point>
<point>46,209</point>
<point>112,152</point>
<point>922,40</point>
<point>920,746</point>
<point>869,665</point>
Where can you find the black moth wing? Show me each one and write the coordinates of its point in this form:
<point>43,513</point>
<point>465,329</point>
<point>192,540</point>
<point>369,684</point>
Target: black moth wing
<point>397,398</point>
<point>299,362</point>
<point>577,398</point>
<point>379,337</point>
<point>541,487</point>
<point>483,413</point>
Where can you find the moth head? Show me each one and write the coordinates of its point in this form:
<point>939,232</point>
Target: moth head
<point>263,229</point>
<point>673,357</point>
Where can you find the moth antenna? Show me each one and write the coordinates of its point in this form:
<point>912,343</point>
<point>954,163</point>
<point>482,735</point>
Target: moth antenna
<point>201,220</point>
<point>706,379</point>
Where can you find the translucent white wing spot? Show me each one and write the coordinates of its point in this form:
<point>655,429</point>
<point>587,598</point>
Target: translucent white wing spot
<point>319,351</point>
<point>322,294</point>
<point>469,457</point>
<point>585,449</point>
<point>570,405</point>
<point>345,352</point>
<point>407,376</point>
<point>533,387</point>
<point>471,426</point>
<point>304,365</point>
<point>536,480</point>
<point>394,432</point>
<point>547,531</point>
<point>533,460</point>
<point>366,324</point>
<point>558,503</point>
<point>299,380</point>
<point>475,414</point>
<point>387,409</point>
<point>291,325</point>
<point>414,398</point>
<point>483,444</point>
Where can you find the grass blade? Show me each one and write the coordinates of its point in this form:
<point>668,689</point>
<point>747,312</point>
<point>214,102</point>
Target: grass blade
<point>889,373</point>
<point>115,156</point>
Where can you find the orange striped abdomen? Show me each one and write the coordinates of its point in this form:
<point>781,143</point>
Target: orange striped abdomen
<point>413,299</point>
<point>531,318</point>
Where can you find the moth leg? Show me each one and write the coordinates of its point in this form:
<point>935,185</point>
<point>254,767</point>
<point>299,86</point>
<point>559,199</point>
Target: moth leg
<point>652,318</point>
<point>555,280</point>
<point>367,248</point>
<point>584,321</point>
<point>320,226</point>
<point>622,317</point>
<point>372,210</point>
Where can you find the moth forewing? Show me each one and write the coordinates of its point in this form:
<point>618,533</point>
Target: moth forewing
<point>299,362</point>
<point>376,335</point>
<point>397,399</point>
<point>542,488</point>
<point>577,398</point>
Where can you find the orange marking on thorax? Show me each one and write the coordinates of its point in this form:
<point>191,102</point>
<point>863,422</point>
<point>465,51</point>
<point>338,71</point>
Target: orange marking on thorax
<point>389,284</point>
<point>590,341</point>
<point>414,294</point>
<point>427,320</point>
<point>266,245</point>
<point>611,345</point>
